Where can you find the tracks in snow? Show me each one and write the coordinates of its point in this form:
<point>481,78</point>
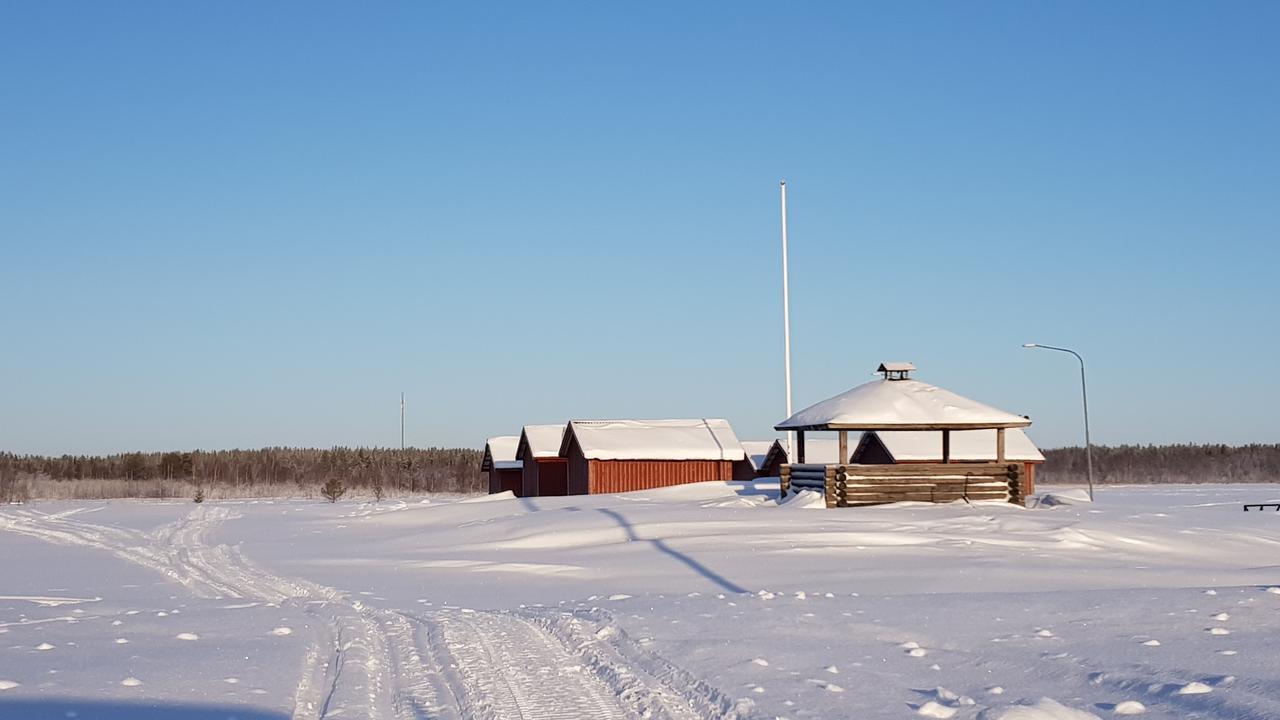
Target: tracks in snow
<point>379,664</point>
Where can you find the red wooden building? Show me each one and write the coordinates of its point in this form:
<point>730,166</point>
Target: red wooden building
<point>544,471</point>
<point>500,463</point>
<point>609,456</point>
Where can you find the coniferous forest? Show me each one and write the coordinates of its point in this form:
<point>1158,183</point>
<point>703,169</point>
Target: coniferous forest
<point>378,472</point>
<point>1163,464</point>
<point>287,472</point>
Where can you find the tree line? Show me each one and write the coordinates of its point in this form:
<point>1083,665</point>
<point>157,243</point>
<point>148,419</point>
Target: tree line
<point>1256,463</point>
<point>240,472</point>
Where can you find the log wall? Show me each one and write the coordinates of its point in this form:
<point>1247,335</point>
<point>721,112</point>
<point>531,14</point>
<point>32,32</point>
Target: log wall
<point>854,485</point>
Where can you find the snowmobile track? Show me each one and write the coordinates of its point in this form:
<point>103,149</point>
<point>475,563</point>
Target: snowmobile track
<point>381,664</point>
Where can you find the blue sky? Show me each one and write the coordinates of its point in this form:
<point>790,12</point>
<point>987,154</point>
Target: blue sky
<point>247,224</point>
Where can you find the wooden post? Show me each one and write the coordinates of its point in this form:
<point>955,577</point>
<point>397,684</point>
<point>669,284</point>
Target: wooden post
<point>999,445</point>
<point>946,446</point>
<point>784,482</point>
<point>800,446</point>
<point>844,447</point>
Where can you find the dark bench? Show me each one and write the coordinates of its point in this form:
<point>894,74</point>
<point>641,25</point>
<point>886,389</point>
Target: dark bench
<point>1262,506</point>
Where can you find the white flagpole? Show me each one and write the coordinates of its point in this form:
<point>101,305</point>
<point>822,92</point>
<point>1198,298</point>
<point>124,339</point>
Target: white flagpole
<point>786,323</point>
<point>401,421</point>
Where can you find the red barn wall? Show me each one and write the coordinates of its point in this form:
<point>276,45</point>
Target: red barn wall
<point>553,476</point>
<point>614,476</point>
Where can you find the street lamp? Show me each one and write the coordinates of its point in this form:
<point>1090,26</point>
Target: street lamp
<point>1084,394</point>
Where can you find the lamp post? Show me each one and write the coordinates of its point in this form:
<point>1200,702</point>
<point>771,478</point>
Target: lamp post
<point>1084,395</point>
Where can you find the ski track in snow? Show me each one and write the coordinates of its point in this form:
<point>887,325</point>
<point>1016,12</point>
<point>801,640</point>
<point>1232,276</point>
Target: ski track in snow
<point>377,664</point>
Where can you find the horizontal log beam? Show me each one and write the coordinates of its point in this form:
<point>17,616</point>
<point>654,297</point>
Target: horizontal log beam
<point>832,427</point>
<point>928,469</point>
<point>945,496</point>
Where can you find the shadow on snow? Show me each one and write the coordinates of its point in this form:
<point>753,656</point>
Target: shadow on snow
<point>662,546</point>
<point>62,708</point>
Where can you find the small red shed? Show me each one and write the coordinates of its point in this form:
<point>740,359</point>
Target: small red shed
<point>544,471</point>
<point>500,462</point>
<point>609,456</point>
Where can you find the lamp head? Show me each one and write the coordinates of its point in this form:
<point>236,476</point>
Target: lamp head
<point>1029,345</point>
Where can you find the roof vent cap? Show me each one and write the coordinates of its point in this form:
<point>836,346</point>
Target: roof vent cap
<point>895,370</point>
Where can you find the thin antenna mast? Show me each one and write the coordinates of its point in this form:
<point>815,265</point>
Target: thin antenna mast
<point>786,322</point>
<point>401,422</point>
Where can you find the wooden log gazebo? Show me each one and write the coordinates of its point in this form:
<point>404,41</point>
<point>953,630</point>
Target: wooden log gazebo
<point>897,402</point>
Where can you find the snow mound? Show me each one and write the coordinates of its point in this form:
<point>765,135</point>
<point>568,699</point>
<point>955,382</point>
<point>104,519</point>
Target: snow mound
<point>1065,497</point>
<point>131,682</point>
<point>187,636</point>
<point>804,499</point>
<point>1194,688</point>
<point>282,631</point>
<point>504,495</point>
<point>8,684</point>
<point>1129,707</point>
<point>1043,709</point>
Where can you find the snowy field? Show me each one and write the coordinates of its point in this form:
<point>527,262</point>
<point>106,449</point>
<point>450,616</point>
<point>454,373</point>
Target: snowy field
<point>702,601</point>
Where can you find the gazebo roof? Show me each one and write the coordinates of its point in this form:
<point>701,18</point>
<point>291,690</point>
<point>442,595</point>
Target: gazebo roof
<point>900,405</point>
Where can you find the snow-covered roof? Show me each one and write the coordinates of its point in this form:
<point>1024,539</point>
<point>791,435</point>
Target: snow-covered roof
<point>758,451</point>
<point>900,405</point>
<point>500,453</point>
<point>926,445</point>
<point>701,439</point>
<point>543,440</point>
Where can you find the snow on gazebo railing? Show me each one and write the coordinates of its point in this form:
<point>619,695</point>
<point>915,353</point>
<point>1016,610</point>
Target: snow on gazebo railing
<point>898,402</point>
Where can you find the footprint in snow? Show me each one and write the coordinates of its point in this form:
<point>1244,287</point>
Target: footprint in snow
<point>1221,617</point>
<point>1044,633</point>
<point>833,669</point>
<point>996,690</point>
<point>761,662</point>
<point>828,686</point>
<point>934,709</point>
<point>231,680</point>
<point>187,636</point>
<point>913,649</point>
<point>131,682</point>
<point>1218,631</point>
<point>1210,592</point>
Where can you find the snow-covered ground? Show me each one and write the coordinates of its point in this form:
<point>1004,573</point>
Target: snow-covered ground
<point>701,601</point>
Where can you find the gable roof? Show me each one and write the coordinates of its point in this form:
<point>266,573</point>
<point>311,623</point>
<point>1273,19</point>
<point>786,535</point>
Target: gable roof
<point>500,453</point>
<point>900,405</point>
<point>542,440</point>
<point>701,439</point>
<point>926,445</point>
<point>758,451</point>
